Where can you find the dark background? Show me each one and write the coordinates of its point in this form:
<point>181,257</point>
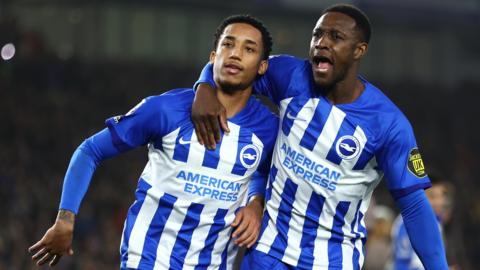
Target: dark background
<point>77,63</point>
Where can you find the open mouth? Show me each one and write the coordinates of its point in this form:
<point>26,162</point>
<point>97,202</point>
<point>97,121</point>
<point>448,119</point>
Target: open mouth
<point>322,63</point>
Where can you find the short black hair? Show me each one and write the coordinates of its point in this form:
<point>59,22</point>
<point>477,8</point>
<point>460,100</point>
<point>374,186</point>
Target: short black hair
<point>266,38</point>
<point>361,20</point>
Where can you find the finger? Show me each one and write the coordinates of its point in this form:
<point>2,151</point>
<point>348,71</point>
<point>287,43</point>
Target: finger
<point>244,236</point>
<point>203,132</point>
<point>240,229</point>
<point>224,121</point>
<point>47,257</point>
<point>216,130</point>
<point>40,254</point>
<point>197,132</point>
<point>210,137</point>
<point>251,240</point>
<point>238,219</point>
<point>70,251</point>
<point>55,260</point>
<point>36,246</point>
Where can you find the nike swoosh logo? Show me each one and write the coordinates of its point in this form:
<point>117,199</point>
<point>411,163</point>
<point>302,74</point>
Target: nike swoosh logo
<point>291,117</point>
<point>182,141</point>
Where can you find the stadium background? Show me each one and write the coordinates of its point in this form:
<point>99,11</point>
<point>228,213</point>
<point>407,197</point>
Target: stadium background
<point>77,63</point>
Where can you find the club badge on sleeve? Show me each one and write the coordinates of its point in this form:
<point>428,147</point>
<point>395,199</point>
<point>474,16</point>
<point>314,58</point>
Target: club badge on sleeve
<point>415,163</point>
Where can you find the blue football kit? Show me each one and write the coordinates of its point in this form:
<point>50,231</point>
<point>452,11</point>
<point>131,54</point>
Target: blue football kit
<point>187,196</point>
<point>327,161</point>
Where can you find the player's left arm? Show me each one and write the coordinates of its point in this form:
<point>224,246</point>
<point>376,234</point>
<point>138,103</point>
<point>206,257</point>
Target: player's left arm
<point>248,219</point>
<point>247,222</point>
<point>402,164</point>
<point>422,228</point>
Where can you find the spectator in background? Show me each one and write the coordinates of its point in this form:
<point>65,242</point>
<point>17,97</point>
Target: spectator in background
<point>440,196</point>
<point>379,219</point>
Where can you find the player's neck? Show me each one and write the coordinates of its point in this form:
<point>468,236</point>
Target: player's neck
<point>347,90</point>
<point>234,102</point>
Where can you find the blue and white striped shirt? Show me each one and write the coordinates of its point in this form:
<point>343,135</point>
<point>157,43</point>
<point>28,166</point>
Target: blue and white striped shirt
<point>327,161</point>
<point>187,196</point>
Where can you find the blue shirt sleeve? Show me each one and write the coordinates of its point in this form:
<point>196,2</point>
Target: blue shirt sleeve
<point>82,166</point>
<point>400,160</point>
<point>286,76</point>
<point>421,225</point>
<point>140,125</point>
<point>206,76</point>
<point>258,183</point>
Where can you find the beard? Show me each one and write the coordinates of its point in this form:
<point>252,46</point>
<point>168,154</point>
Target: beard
<point>231,88</point>
<point>326,87</point>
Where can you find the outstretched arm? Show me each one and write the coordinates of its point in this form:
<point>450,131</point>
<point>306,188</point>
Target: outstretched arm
<point>57,241</point>
<point>422,229</point>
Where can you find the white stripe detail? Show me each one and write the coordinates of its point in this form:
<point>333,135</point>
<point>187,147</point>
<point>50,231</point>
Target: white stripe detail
<point>268,236</point>
<point>323,234</point>
<point>304,117</point>
<point>199,237</point>
<point>168,144</point>
<point>295,232</point>
<point>283,107</point>
<point>272,207</point>
<point>223,237</point>
<point>329,132</point>
<point>347,246</point>
<point>140,228</point>
<point>229,149</point>
<point>169,234</point>
<point>196,153</point>
<point>258,143</point>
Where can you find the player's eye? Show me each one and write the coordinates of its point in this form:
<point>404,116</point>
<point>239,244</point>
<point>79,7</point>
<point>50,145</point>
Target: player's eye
<point>250,49</point>
<point>227,44</point>
<point>317,34</point>
<point>336,36</point>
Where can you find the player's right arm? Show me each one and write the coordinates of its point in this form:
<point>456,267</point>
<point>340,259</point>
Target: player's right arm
<point>57,241</point>
<point>135,128</point>
<point>208,114</point>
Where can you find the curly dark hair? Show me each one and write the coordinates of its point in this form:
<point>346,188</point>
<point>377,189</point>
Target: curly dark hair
<point>266,38</point>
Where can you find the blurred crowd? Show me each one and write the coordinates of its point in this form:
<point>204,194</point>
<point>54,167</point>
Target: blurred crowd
<point>52,104</point>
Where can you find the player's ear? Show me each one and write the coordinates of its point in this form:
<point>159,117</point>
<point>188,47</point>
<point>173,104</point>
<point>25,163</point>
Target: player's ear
<point>213,54</point>
<point>263,67</point>
<point>360,50</point>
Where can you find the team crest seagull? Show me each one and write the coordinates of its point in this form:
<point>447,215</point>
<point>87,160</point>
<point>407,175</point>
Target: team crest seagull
<point>249,156</point>
<point>348,147</point>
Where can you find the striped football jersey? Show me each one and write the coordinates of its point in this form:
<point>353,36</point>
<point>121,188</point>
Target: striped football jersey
<point>187,196</point>
<point>327,161</point>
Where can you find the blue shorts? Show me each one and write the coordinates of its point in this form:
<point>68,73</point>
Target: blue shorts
<point>257,260</point>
